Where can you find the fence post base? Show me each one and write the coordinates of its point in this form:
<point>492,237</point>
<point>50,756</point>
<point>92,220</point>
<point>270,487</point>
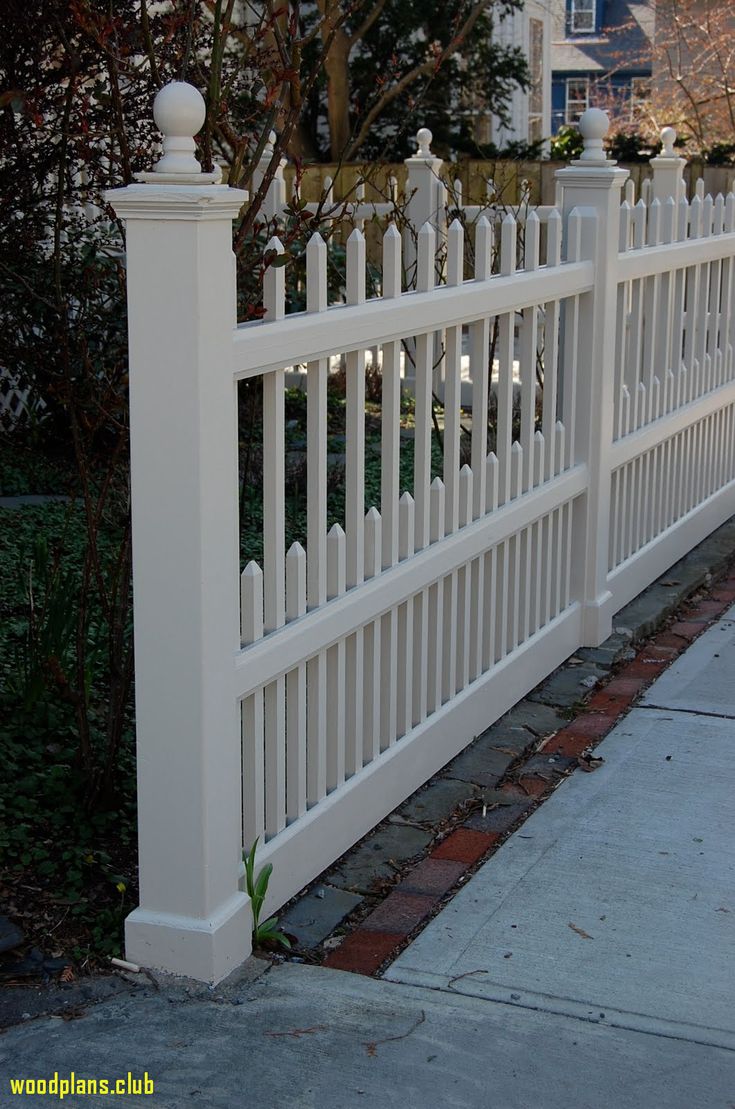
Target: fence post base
<point>597,620</point>
<point>207,950</point>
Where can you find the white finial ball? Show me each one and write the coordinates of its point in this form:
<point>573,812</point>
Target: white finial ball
<point>594,124</point>
<point>179,109</point>
<point>423,138</point>
<point>668,138</point>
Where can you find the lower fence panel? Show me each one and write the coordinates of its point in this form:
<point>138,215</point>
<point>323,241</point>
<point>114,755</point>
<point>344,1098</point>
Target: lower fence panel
<point>447,680</point>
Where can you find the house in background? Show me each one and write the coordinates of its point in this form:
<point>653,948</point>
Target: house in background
<point>529,28</point>
<point>601,56</point>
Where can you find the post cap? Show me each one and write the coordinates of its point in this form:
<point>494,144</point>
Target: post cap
<point>668,138</point>
<point>179,112</point>
<point>423,143</point>
<point>593,126</point>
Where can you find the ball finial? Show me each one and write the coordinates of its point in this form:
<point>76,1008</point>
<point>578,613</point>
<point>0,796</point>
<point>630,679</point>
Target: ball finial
<point>179,112</point>
<point>593,126</point>
<point>668,138</point>
<point>423,140</point>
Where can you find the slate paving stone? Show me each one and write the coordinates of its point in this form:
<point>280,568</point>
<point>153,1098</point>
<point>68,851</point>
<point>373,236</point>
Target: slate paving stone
<point>317,914</point>
<point>568,686</point>
<point>608,653</point>
<point>480,763</point>
<point>500,819</point>
<point>539,718</point>
<point>372,860</point>
<point>437,802</point>
<point>548,766</point>
<point>10,934</point>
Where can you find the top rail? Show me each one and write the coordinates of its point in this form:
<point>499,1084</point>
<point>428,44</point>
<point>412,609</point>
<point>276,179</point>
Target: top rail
<point>265,346</point>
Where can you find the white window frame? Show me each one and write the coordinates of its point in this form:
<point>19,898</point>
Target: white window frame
<point>585,103</point>
<point>584,8</point>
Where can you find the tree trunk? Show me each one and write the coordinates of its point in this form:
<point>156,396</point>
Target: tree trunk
<point>337,66</point>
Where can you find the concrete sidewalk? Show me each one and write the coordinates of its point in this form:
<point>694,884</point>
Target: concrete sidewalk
<point>589,962</point>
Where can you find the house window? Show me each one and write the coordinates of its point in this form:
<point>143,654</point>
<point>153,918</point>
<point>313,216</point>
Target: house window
<point>582,17</point>
<point>578,98</point>
<point>536,89</point>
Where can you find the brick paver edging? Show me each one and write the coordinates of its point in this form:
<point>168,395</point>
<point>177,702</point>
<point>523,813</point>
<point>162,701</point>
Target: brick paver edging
<point>426,887</point>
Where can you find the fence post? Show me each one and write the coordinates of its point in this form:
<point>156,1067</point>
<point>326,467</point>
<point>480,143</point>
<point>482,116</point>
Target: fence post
<point>668,170</point>
<point>275,197</point>
<point>591,188</point>
<point>192,918</point>
<point>422,191</point>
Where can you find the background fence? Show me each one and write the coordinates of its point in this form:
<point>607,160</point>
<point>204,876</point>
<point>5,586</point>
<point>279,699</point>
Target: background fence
<point>466,556</point>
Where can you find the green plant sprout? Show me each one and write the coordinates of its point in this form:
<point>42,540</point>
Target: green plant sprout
<point>267,932</point>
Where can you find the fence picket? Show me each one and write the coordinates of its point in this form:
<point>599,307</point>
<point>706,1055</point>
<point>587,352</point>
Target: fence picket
<point>336,584</point>
<point>253,720</point>
<point>371,698</point>
<point>505,362</point>
<point>406,534</point>
<point>296,691</point>
<point>528,356</point>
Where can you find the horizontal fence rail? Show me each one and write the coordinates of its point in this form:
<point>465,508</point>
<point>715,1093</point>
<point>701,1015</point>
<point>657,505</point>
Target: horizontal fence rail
<point>491,447</point>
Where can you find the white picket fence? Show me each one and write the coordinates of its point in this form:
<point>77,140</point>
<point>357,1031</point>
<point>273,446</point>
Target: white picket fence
<point>356,666</point>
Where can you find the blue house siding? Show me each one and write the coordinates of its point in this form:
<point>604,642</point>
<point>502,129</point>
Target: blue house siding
<point>623,31</point>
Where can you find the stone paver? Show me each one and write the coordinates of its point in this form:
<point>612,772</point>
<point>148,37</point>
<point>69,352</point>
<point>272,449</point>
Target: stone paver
<point>315,916</point>
<point>378,856</point>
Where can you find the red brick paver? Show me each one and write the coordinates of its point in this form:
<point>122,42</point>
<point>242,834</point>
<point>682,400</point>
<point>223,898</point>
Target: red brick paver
<point>363,952</point>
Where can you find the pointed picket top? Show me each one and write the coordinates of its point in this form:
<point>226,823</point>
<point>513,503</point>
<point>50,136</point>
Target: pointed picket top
<point>295,581</point>
<point>406,525</point>
<point>654,222</point>
<point>455,253</point>
<point>373,540</point>
<point>719,217</point>
<point>392,262</point>
<point>360,192</point>
<point>626,215</point>
<point>458,192</point>
<point>629,192</point>
<point>682,219</point>
<point>483,249</point>
<point>730,212</point>
<point>492,481</point>
<point>699,189</point>
<point>356,267</point>
<point>533,233</point>
<point>437,497</point>
<point>274,283</point>
<point>553,237</point>
<point>508,230</point>
<point>426,258</point>
<point>328,189</point>
<point>465,496</point>
<point>695,214</point>
<point>393,189</point>
<point>336,562</point>
<point>539,450</point>
<point>708,206</point>
<point>640,213</point>
<point>251,604</point>
<point>316,274</point>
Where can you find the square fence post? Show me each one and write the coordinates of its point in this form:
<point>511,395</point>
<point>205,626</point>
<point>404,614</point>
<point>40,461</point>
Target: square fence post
<point>591,188</point>
<point>668,170</point>
<point>192,918</point>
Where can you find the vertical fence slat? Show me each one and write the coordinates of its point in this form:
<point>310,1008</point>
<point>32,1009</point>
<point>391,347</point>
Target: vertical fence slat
<point>505,362</point>
<point>528,353</point>
<point>336,584</point>
<point>296,690</point>
<point>253,721</point>
<point>372,648</point>
<point>551,345</point>
<point>453,382</point>
<point>406,526</point>
<point>390,407</point>
<point>316,522</point>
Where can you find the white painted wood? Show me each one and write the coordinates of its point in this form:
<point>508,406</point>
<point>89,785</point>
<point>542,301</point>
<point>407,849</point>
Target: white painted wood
<point>296,690</point>
<point>505,362</point>
<point>405,645</point>
<point>336,587</point>
<point>192,918</point>
<point>371,697</point>
<point>480,370</point>
<point>452,382</point>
